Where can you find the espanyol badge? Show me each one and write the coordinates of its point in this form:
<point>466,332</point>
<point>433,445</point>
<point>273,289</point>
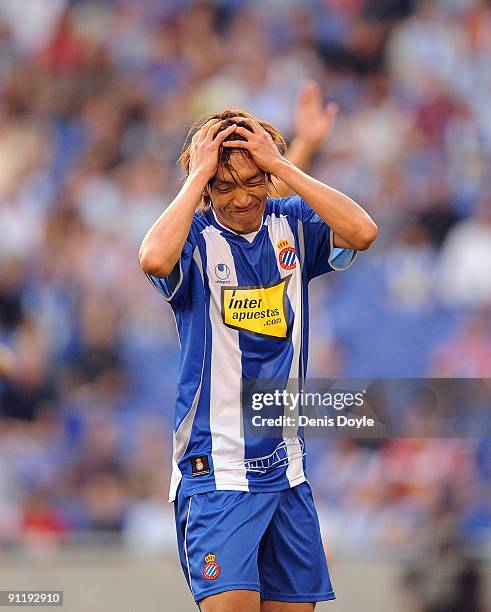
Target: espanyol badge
<point>211,570</point>
<point>286,256</point>
<point>200,466</point>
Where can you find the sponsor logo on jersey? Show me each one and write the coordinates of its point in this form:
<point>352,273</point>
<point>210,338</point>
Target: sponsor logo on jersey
<point>257,310</point>
<point>211,570</point>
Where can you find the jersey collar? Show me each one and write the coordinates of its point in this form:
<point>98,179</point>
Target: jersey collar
<point>249,237</point>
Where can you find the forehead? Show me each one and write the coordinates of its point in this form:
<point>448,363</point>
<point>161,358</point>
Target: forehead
<point>242,167</point>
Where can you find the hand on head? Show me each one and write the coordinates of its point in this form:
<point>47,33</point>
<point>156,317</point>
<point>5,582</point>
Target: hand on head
<point>205,146</point>
<point>258,142</point>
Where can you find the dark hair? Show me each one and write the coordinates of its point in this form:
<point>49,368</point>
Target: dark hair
<point>225,152</point>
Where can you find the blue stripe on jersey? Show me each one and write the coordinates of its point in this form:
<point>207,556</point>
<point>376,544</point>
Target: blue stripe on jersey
<point>192,349</point>
<point>194,326</point>
<point>297,229</point>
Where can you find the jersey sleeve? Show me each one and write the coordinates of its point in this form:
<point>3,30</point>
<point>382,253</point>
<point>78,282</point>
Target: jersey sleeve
<point>174,287</point>
<point>317,240</point>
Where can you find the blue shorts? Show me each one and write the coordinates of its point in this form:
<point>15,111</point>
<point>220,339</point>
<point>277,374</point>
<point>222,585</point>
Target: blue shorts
<point>266,542</point>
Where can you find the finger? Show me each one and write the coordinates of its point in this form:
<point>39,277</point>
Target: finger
<point>316,93</point>
<point>243,132</point>
<point>203,131</point>
<point>213,129</point>
<point>236,144</point>
<point>331,111</point>
<point>211,121</point>
<point>220,137</point>
<point>307,91</point>
<point>310,94</point>
<point>240,119</point>
<point>252,122</point>
<point>210,130</point>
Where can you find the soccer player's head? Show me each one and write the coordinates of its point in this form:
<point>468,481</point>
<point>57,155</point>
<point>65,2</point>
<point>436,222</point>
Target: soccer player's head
<point>239,189</point>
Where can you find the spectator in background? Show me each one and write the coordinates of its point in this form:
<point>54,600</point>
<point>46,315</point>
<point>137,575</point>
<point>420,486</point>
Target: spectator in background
<point>468,352</point>
<point>444,576</point>
<point>30,387</point>
<point>466,259</point>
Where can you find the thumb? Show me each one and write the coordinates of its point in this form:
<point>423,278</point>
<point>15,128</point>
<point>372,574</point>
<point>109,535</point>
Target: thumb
<point>331,110</point>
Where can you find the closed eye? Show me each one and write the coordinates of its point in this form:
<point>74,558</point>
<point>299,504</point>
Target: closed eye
<point>255,180</point>
<point>223,187</point>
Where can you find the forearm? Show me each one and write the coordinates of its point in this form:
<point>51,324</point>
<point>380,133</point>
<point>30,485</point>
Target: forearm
<point>300,154</point>
<point>344,216</point>
<point>164,241</point>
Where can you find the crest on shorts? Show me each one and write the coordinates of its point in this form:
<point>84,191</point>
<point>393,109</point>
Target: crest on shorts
<point>211,570</point>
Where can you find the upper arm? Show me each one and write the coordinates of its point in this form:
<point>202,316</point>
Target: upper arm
<point>174,287</point>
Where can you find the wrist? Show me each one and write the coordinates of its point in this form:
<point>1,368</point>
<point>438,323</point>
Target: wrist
<point>280,166</point>
<point>199,178</point>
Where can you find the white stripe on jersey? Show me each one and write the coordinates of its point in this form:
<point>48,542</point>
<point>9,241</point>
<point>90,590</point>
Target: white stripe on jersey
<point>226,375</point>
<point>279,229</point>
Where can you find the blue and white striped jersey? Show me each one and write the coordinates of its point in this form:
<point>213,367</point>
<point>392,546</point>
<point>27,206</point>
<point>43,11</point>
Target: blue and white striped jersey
<point>241,306</point>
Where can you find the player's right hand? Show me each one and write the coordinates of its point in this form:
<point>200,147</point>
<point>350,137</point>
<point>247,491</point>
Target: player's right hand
<point>205,144</point>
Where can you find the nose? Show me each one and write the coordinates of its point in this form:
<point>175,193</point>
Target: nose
<point>242,199</point>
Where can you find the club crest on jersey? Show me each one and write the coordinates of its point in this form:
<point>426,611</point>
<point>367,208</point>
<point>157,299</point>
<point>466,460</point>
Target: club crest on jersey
<point>286,256</point>
<point>211,570</point>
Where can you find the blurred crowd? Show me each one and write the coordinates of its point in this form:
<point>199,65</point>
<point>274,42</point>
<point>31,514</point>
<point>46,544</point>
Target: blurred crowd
<point>95,101</point>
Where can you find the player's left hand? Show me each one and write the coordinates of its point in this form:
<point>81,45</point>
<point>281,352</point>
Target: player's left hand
<point>314,121</point>
<point>258,142</point>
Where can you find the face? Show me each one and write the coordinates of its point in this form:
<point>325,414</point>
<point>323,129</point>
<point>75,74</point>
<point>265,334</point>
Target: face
<point>239,197</point>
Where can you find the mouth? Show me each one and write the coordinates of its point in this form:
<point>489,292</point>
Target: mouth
<point>245,211</point>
